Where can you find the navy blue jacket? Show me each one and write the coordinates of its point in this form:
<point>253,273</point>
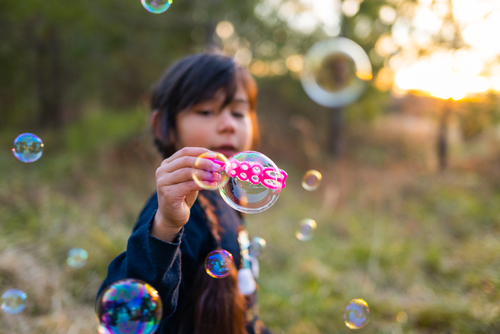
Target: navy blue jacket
<point>171,267</point>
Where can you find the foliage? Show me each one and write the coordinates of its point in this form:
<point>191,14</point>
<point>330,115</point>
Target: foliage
<point>403,239</point>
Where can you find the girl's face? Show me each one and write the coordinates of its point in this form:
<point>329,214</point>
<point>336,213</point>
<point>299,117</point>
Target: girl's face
<point>208,124</point>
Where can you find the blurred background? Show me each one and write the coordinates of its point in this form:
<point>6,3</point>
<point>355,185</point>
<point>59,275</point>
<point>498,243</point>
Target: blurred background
<point>408,210</point>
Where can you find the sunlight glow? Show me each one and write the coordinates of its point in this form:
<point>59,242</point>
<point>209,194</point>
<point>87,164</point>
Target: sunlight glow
<point>446,73</point>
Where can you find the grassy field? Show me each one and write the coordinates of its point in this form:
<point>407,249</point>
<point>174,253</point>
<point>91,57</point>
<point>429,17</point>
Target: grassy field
<point>420,247</point>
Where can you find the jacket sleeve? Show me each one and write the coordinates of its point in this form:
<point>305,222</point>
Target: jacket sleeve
<point>151,260</point>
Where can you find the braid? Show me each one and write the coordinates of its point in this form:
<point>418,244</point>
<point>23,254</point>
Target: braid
<point>218,306</point>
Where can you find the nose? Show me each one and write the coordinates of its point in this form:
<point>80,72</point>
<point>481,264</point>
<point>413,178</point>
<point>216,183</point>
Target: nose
<point>227,123</point>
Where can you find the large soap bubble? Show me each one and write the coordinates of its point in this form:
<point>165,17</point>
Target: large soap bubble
<point>255,182</point>
<point>357,314</point>
<point>27,147</point>
<point>13,301</point>
<point>129,306</point>
<point>156,6</point>
<point>335,72</point>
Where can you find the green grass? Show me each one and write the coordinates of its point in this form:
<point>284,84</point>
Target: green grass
<point>398,236</point>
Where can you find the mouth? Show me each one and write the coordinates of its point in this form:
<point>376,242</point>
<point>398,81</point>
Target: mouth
<point>227,150</point>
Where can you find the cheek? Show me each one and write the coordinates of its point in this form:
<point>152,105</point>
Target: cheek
<point>193,134</point>
<point>247,134</point>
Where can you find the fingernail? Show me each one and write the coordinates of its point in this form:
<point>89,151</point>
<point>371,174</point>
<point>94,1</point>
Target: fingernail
<point>215,167</point>
<point>211,154</point>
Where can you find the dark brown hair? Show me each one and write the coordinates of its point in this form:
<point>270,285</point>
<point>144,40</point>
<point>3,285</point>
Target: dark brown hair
<point>217,306</point>
<point>194,79</point>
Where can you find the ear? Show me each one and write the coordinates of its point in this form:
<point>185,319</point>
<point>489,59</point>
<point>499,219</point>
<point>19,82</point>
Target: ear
<point>156,125</point>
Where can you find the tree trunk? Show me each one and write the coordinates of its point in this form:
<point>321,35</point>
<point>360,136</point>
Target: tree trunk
<point>442,140</point>
<point>336,127</point>
<point>48,78</point>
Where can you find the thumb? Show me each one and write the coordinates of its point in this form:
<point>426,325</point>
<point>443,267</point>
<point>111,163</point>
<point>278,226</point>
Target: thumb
<point>191,198</point>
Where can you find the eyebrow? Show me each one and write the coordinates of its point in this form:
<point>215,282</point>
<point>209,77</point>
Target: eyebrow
<point>240,100</point>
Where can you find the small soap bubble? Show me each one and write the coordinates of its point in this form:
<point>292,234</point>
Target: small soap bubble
<point>205,165</point>
<point>335,72</point>
<point>357,314</point>
<point>311,180</point>
<point>129,306</point>
<point>306,229</point>
<point>13,301</point>
<point>257,245</point>
<point>219,263</point>
<point>156,6</point>
<point>77,258</point>
<point>27,147</point>
<point>255,182</point>
<point>402,317</point>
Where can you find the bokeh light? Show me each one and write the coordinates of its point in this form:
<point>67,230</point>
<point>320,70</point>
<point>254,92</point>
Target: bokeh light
<point>27,147</point>
<point>129,306</point>
<point>219,263</point>
<point>224,29</point>
<point>13,301</point>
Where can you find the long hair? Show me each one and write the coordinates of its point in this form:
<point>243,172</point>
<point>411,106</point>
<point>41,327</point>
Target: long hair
<point>217,306</point>
<point>194,79</point>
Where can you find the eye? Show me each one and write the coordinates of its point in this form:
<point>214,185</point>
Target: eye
<point>204,112</point>
<point>238,114</point>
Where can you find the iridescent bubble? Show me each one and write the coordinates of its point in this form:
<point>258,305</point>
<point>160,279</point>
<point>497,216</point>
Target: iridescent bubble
<point>219,263</point>
<point>255,182</point>
<point>257,245</point>
<point>77,258</point>
<point>357,314</point>
<point>335,72</point>
<point>129,306</point>
<point>306,230</point>
<point>27,147</point>
<point>156,6</point>
<point>311,180</point>
<point>13,301</point>
<point>207,166</point>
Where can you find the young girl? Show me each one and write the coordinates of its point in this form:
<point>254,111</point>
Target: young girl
<point>204,102</point>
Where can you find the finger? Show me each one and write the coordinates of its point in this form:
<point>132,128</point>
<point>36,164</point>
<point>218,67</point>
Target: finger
<point>187,174</point>
<point>192,162</point>
<point>189,151</point>
<point>181,190</point>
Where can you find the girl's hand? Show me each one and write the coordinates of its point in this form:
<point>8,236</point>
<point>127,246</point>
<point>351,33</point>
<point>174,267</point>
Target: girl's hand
<point>177,190</point>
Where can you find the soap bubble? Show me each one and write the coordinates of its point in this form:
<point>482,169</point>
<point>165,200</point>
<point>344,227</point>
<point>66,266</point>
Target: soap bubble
<point>219,263</point>
<point>307,227</point>
<point>357,314</point>
<point>27,147</point>
<point>257,245</point>
<point>335,72</point>
<point>156,6</point>
<point>77,258</point>
<point>255,182</point>
<point>311,180</point>
<point>129,306</point>
<point>13,301</point>
<point>205,164</point>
